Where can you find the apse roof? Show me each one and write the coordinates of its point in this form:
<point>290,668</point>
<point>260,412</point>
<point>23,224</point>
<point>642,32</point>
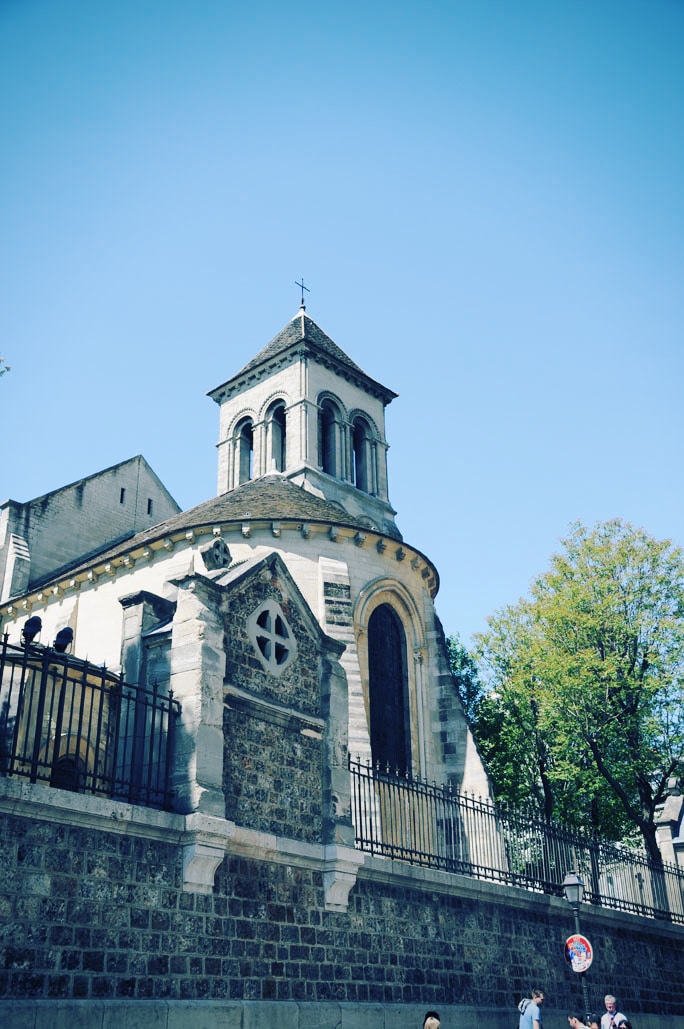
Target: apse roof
<point>304,330</point>
<point>271,497</point>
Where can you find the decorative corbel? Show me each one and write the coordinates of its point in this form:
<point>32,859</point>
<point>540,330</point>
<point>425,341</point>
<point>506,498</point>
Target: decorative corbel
<point>340,868</point>
<point>200,862</point>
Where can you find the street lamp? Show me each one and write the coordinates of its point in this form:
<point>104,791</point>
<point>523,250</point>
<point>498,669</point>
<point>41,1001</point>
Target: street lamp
<point>573,891</point>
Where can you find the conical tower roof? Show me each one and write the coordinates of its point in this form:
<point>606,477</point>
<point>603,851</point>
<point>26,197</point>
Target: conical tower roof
<point>301,332</point>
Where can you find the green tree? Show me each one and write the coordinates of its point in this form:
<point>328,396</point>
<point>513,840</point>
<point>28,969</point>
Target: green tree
<point>465,673</point>
<point>583,709</point>
<point>3,367</point>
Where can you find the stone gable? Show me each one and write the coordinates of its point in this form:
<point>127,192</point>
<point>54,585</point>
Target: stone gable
<point>299,684</point>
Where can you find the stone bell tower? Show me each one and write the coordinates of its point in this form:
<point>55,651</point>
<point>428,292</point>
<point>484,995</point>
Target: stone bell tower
<point>304,409</point>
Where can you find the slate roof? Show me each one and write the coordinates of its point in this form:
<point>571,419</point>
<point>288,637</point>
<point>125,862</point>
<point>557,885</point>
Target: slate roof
<point>271,498</point>
<point>303,329</point>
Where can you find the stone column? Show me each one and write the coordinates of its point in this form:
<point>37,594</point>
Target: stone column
<point>197,672</point>
<point>337,822</point>
<point>141,610</point>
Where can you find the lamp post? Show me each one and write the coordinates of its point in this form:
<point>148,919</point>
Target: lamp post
<point>573,891</point>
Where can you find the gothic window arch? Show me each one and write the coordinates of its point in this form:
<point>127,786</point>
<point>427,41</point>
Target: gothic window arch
<point>244,451</point>
<point>363,455</point>
<point>388,689</point>
<point>277,436</point>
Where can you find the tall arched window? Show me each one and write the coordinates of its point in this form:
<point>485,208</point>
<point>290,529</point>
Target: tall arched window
<point>363,455</point>
<point>275,420</point>
<point>244,456</point>
<point>327,438</point>
<point>388,691</point>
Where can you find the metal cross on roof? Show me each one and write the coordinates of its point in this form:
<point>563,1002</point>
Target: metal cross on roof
<point>302,287</point>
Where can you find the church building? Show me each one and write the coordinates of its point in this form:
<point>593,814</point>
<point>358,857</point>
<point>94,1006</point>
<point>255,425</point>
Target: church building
<point>302,474</point>
<point>223,738</point>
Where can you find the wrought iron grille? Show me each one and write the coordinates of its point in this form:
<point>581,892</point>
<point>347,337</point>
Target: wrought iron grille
<point>72,725</point>
<point>422,823</point>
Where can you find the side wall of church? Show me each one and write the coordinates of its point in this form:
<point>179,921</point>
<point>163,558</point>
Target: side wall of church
<point>100,917</point>
<point>61,527</point>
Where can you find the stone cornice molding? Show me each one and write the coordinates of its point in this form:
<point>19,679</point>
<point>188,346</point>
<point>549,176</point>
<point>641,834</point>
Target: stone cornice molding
<point>124,562</point>
<point>276,714</point>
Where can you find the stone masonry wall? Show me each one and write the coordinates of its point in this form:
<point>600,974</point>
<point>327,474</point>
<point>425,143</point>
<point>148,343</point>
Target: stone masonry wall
<point>272,777</point>
<point>299,684</point>
<point>61,526</point>
<point>100,915</point>
<point>272,770</point>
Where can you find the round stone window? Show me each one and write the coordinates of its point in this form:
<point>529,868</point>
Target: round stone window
<point>272,637</point>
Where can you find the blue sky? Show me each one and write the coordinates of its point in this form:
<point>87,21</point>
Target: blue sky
<point>486,199</point>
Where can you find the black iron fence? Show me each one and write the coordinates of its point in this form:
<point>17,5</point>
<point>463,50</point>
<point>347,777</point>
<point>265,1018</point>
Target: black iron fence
<point>70,724</point>
<point>425,824</point>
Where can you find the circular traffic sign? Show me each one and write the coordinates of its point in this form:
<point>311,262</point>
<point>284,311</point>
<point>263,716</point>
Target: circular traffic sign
<point>578,952</point>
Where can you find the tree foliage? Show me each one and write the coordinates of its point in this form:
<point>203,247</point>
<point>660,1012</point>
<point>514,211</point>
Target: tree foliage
<point>465,674</point>
<point>3,366</point>
<point>582,712</point>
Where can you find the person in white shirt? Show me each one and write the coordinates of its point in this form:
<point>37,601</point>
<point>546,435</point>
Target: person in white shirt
<point>612,1018</point>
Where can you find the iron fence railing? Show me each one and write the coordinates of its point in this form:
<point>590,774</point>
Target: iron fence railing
<point>73,725</point>
<point>422,823</point>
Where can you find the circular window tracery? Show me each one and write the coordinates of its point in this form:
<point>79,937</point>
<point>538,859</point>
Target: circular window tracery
<point>272,637</point>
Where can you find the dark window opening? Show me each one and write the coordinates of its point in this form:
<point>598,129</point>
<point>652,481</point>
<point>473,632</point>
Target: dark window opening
<point>67,774</point>
<point>278,437</point>
<point>361,454</point>
<point>388,690</point>
<point>327,442</point>
<point>245,455</point>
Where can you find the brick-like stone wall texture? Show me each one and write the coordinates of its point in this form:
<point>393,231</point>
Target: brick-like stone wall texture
<point>272,777</point>
<point>272,773</point>
<point>88,914</point>
<point>298,686</point>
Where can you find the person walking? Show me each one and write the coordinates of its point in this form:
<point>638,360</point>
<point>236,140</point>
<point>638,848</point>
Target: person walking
<point>530,1011</point>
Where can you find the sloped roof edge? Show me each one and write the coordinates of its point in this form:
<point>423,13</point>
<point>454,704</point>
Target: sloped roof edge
<point>303,329</point>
